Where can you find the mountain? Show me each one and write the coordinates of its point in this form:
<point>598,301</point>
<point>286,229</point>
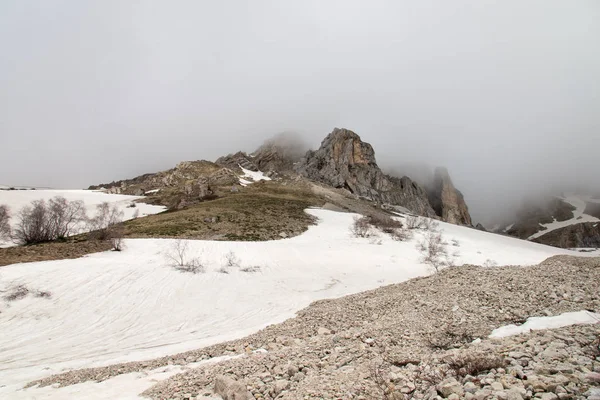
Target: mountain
<point>343,161</point>
<point>568,221</point>
<point>447,201</point>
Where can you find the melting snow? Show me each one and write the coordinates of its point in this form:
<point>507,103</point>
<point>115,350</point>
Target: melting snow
<point>538,323</point>
<point>252,176</point>
<point>578,216</point>
<point>115,307</point>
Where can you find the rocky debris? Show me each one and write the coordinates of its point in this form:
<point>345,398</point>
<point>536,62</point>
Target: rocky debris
<point>345,161</point>
<point>237,160</point>
<point>585,234</point>
<point>230,389</point>
<point>410,338</point>
<point>192,180</point>
<point>446,200</point>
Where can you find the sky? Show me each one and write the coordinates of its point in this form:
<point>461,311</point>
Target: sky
<point>506,94</point>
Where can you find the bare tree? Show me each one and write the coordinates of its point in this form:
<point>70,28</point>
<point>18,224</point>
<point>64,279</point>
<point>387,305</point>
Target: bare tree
<point>433,250</point>
<point>116,237</point>
<point>106,221</point>
<point>64,216</point>
<point>43,222</point>
<point>33,224</point>
<point>5,230</point>
<point>177,256</point>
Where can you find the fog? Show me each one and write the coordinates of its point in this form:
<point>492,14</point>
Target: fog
<point>504,94</point>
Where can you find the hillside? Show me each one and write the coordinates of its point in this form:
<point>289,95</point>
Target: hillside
<point>565,221</point>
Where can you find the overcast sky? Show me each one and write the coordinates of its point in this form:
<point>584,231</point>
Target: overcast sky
<point>505,94</point>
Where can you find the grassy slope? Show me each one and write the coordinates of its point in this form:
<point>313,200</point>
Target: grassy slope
<point>258,212</point>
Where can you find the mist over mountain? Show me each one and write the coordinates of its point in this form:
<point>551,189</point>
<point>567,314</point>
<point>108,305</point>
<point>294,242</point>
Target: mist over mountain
<point>95,92</point>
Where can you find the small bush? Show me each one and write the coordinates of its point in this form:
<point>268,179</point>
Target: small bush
<point>490,263</point>
<point>448,338</point>
<point>42,222</point>
<point>254,268</point>
<point>231,260</point>
<point>384,223</point>
<point>223,270</point>
<point>475,363</point>
<point>4,222</point>
<point>413,222</point>
<point>361,227</point>
<point>16,293</point>
<point>104,225</point>
<point>433,250</point>
<point>177,256</point>
<point>42,294</point>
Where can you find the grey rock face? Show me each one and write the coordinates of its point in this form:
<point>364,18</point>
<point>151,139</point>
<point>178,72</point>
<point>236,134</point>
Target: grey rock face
<point>345,161</point>
<point>447,201</point>
<point>239,159</point>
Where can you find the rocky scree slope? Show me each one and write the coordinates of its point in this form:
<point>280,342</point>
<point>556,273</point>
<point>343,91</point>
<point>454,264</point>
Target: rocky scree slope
<point>409,340</point>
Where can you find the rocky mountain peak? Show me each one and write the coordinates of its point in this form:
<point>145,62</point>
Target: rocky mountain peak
<point>446,200</point>
<point>345,161</point>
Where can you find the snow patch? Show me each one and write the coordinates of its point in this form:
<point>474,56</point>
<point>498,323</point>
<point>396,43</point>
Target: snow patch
<point>17,199</point>
<point>252,176</point>
<point>152,191</point>
<point>538,323</point>
<point>114,307</point>
<point>578,216</point>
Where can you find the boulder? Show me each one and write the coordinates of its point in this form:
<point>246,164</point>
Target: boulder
<point>230,389</point>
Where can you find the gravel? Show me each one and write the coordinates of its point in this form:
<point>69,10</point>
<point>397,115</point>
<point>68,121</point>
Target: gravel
<point>409,341</point>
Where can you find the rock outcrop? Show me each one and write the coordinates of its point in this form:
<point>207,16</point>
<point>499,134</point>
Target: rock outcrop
<point>585,234</point>
<point>345,161</point>
<point>237,160</point>
<point>446,200</point>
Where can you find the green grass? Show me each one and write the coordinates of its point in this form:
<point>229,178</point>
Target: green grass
<point>259,212</point>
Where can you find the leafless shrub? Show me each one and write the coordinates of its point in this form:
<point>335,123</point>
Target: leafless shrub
<point>430,224</point>
<point>44,222</point>
<point>103,225</point>
<point>490,263</point>
<point>401,234</point>
<point>177,256</point>
<point>384,223</point>
<point>361,227</point>
<point>375,240</point>
<point>65,216</point>
<point>254,268</point>
<point>223,270</point>
<point>433,250</point>
<point>116,237</point>
<point>4,222</point>
<point>475,363</point>
<point>42,294</point>
<point>448,338</point>
<point>413,222</point>
<point>16,293</point>
<point>231,260</point>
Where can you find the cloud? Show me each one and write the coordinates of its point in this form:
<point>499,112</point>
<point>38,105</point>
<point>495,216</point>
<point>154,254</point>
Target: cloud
<point>504,95</point>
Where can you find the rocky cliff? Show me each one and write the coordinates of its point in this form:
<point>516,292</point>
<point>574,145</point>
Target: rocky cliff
<point>446,200</point>
<point>345,161</point>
